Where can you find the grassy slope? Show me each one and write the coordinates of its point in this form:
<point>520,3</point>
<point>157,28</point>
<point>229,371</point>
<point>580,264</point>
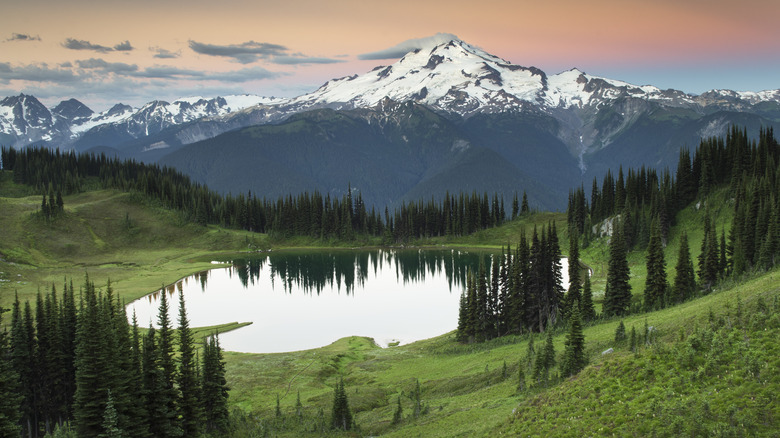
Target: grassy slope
<point>466,394</point>
<point>106,234</point>
<point>463,386</point>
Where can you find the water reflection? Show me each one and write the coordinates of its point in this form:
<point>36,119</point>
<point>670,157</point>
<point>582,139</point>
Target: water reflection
<point>306,299</point>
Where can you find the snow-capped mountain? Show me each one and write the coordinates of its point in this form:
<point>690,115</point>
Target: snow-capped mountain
<point>25,120</point>
<point>453,78</point>
<point>460,78</point>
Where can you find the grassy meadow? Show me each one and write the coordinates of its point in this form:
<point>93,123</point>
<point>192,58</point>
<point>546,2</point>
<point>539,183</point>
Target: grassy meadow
<point>713,359</point>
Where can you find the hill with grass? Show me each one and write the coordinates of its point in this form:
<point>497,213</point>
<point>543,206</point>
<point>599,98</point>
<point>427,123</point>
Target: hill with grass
<point>707,366</point>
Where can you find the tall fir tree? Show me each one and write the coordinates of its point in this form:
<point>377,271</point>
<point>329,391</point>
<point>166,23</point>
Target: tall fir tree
<point>574,359</point>
<point>709,260</point>
<point>684,281</point>
<point>215,389</point>
<point>655,282</point>
<point>10,397</point>
<point>617,294</point>
<point>573,295</point>
<point>341,417</point>
<point>92,365</point>
<point>187,379</point>
<point>587,309</point>
<point>169,395</point>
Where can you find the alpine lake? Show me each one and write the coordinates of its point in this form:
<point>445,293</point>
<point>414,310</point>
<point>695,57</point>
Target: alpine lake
<point>303,299</point>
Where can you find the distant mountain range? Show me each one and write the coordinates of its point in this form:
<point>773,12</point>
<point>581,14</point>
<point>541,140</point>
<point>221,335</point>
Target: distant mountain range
<point>450,117</point>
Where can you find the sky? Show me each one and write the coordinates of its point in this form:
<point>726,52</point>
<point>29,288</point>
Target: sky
<point>113,51</point>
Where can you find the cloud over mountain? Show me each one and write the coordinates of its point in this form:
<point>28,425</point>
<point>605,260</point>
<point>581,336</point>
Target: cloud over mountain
<point>401,49</point>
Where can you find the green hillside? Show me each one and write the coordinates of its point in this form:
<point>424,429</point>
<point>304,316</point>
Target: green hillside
<point>106,234</point>
<point>723,369</point>
<point>708,366</point>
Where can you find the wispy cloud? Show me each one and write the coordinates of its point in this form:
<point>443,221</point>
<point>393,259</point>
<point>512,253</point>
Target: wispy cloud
<point>107,67</point>
<point>244,53</point>
<point>169,72</point>
<point>401,49</point>
<point>246,75</point>
<point>161,53</point>
<point>301,59</point>
<point>252,51</point>
<point>124,46</point>
<point>23,37</point>
<point>36,73</point>
<point>74,44</point>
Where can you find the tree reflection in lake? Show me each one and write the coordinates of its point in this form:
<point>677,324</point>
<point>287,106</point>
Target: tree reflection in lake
<point>313,272</point>
<point>306,299</point>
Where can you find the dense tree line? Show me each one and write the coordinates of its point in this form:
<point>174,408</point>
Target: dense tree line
<point>520,292</point>
<point>640,209</point>
<point>748,168</point>
<point>307,214</point>
<point>82,370</point>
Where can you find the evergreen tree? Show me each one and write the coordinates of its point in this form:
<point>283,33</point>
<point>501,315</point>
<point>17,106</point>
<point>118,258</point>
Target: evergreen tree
<point>617,295</point>
<point>655,282</point>
<point>587,310</point>
<point>399,412</point>
<point>620,333</point>
<point>709,257</point>
<point>520,377</point>
<point>684,282</point>
<point>187,379</point>
<point>524,208</point>
<point>573,295</point>
<point>341,417</point>
<point>111,420</point>
<point>462,333</point>
<point>169,396</point>
<point>574,358</point>
<point>215,389</point>
<point>92,366</point>
<point>483,317</point>
<point>10,397</point>
<point>545,359</point>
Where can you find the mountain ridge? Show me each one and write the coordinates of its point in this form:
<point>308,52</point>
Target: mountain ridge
<point>454,77</point>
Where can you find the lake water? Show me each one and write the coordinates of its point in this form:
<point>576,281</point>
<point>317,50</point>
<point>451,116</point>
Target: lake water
<point>300,300</point>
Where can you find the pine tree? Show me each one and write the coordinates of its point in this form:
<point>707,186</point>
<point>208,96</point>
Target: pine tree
<point>620,333</point>
<point>573,295</point>
<point>587,310</point>
<point>111,420</point>
<point>10,397</point>
<point>684,282</point>
<point>399,412</point>
<point>462,333</point>
<point>545,359</point>
<point>709,257</point>
<point>215,389</point>
<point>341,417</point>
<point>168,397</point>
<point>483,317</point>
<point>92,378</point>
<point>524,208</point>
<point>655,282</point>
<point>574,358</point>
<point>520,377</point>
<point>187,379</point>
<point>617,295</point>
